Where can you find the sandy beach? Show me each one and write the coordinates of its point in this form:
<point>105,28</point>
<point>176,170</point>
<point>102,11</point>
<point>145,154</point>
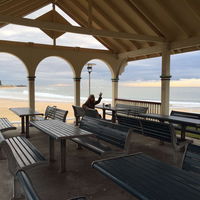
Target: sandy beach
<point>5,104</point>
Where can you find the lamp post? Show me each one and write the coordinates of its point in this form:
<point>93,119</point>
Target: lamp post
<point>89,68</point>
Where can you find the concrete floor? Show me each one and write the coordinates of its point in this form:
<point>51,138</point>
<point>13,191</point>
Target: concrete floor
<point>80,179</point>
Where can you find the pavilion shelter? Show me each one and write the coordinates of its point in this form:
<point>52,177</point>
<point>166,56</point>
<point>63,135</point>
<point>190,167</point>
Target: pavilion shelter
<point>129,29</point>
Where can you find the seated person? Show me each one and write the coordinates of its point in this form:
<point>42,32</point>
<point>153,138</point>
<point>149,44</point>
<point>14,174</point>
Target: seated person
<point>90,103</point>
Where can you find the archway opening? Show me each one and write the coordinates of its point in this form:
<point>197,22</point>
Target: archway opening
<point>13,85</point>
<point>100,81</point>
<point>185,82</point>
<point>141,80</point>
<point>54,85</point>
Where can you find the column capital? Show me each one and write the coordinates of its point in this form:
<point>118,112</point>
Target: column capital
<point>115,79</point>
<point>31,78</point>
<point>77,78</point>
<point>163,77</point>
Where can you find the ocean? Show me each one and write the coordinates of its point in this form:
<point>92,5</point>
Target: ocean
<point>180,97</point>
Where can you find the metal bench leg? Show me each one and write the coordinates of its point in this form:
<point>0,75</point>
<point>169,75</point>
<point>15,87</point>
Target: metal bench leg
<point>17,190</point>
<point>62,155</point>
<point>27,127</point>
<point>22,125</point>
<point>51,149</point>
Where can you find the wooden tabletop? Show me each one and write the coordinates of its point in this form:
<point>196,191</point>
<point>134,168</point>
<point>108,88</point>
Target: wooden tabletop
<point>24,112</point>
<point>148,179</point>
<point>60,130</point>
<point>173,119</point>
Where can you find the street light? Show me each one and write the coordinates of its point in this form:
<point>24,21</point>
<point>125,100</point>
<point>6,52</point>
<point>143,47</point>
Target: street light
<point>89,68</point>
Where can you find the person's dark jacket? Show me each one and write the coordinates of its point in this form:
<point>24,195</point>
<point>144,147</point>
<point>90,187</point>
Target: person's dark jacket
<point>89,104</point>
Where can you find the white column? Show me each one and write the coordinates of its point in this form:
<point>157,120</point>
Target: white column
<point>165,80</point>
<point>114,89</point>
<point>31,87</point>
<point>77,91</point>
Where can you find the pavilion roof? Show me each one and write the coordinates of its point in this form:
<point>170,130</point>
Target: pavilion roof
<point>133,29</point>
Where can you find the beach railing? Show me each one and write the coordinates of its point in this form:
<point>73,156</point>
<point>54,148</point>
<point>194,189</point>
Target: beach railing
<point>153,107</point>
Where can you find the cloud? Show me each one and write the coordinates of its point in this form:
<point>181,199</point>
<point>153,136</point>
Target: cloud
<point>173,83</point>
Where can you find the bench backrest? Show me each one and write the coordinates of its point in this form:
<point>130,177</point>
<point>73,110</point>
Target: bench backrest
<point>92,113</point>
<point>49,112</point>
<point>112,133</point>
<point>6,125</point>
<point>162,131</point>
<point>191,160</point>
<point>132,122</point>
<point>185,114</point>
<point>60,114</point>
<point>78,111</point>
<point>131,110</point>
<point>27,185</point>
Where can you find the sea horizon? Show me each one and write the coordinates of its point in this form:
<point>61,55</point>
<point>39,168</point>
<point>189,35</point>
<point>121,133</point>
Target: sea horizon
<point>184,97</point>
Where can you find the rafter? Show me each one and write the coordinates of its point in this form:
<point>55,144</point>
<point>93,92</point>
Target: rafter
<point>141,52</point>
<point>120,44</point>
<point>112,24</point>
<point>145,19</point>
<point>75,29</point>
<point>107,43</point>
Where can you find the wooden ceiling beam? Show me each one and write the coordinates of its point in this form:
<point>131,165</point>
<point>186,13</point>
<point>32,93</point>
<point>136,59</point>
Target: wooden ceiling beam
<point>83,23</point>
<point>76,29</point>
<point>117,26</point>
<point>112,24</point>
<point>121,46</point>
<point>141,52</point>
<point>173,17</point>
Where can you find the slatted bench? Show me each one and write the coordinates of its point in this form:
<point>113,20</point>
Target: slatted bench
<point>187,115</point>
<point>131,110</point>
<point>6,125</point>
<point>54,113</point>
<point>191,159</point>
<point>162,131</point>
<point>79,112</point>
<point>29,191</point>
<point>21,154</point>
<point>117,135</point>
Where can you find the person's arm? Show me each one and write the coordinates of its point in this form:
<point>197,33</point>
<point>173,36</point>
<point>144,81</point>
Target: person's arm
<point>99,99</point>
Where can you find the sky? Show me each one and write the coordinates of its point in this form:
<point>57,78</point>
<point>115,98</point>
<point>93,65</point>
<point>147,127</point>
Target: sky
<point>185,68</point>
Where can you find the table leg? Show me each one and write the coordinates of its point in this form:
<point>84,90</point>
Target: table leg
<point>183,128</point>
<point>113,116</point>
<point>22,125</point>
<point>51,149</point>
<point>27,127</point>
<point>104,114</point>
<point>62,155</point>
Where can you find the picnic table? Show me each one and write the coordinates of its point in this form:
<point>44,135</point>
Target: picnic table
<point>25,113</point>
<point>182,121</point>
<point>147,178</point>
<point>113,109</point>
<point>60,131</point>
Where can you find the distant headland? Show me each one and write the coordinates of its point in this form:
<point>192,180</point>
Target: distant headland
<point>10,86</point>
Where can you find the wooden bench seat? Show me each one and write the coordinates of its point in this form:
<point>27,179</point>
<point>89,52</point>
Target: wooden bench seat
<point>24,182</point>
<point>6,125</point>
<point>164,132</point>
<point>194,130</point>
<point>21,153</point>
<point>117,135</point>
<point>191,159</point>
